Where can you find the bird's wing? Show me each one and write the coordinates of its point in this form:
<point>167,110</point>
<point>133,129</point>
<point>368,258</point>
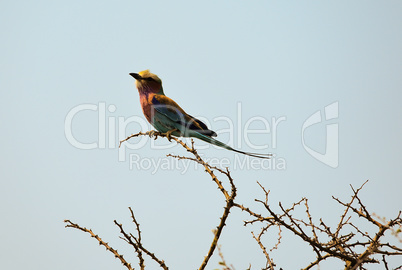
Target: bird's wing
<point>169,115</point>
<point>199,126</point>
<point>166,109</point>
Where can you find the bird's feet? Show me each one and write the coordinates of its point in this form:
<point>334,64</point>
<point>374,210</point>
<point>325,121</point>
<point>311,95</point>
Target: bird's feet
<point>153,133</point>
<point>169,134</point>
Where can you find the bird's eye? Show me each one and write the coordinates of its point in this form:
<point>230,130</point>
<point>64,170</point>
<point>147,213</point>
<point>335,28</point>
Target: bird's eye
<point>149,79</point>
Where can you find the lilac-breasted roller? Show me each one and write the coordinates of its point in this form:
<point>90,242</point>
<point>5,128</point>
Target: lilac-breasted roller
<point>168,117</point>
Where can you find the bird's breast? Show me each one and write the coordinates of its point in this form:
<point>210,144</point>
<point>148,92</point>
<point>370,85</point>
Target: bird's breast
<point>147,107</point>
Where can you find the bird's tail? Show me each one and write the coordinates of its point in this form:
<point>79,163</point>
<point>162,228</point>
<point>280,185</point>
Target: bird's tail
<point>223,145</point>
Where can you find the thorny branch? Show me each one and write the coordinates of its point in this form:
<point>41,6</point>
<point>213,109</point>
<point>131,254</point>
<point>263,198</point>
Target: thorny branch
<point>336,245</point>
<point>137,243</point>
<point>342,244</point>
<point>223,261</point>
<point>101,242</point>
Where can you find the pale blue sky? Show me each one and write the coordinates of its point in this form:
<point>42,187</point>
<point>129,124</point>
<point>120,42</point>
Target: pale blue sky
<point>275,59</point>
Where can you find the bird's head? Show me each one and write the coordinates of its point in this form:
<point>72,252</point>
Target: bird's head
<point>147,82</point>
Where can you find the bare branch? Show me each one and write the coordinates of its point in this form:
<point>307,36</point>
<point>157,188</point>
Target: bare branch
<point>347,242</point>
<point>340,224</point>
<point>101,242</point>
<point>137,243</point>
<point>316,262</point>
<point>208,169</point>
<point>223,261</point>
<point>264,250</point>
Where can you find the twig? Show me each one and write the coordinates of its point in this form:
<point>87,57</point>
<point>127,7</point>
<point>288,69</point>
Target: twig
<point>137,249</point>
<point>316,262</point>
<point>101,242</point>
<point>138,245</point>
<point>223,261</point>
<point>264,250</point>
<point>229,205</point>
<point>347,209</point>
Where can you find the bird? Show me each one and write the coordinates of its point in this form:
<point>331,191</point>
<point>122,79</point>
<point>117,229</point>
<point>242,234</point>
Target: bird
<point>164,114</point>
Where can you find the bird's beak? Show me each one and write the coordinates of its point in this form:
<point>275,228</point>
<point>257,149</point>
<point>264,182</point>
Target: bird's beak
<point>136,76</point>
